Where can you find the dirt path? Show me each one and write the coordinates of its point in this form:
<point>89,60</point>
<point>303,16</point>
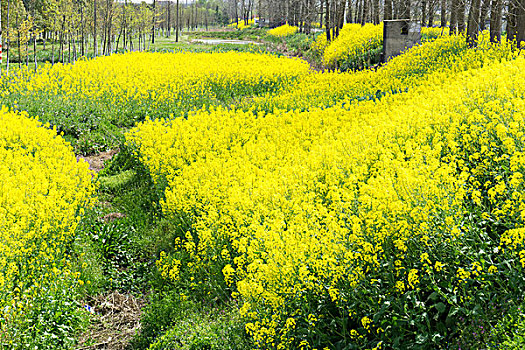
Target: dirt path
<point>116,319</point>
<point>115,316</point>
<point>96,162</point>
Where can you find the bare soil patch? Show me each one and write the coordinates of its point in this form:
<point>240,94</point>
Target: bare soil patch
<point>116,321</point>
<point>96,162</point>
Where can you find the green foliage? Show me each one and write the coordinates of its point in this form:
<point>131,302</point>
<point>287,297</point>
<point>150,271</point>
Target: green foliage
<point>215,330</point>
<point>299,43</point>
<point>160,314</point>
<point>170,322</point>
<point>509,333</point>
<point>109,247</point>
<point>52,321</point>
<point>359,62</point>
<point>245,34</point>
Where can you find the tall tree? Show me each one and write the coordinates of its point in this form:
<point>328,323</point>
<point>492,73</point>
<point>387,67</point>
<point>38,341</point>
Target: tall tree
<point>461,15</point>
<point>95,28</point>
<point>327,20</point>
<point>496,14</point>
<point>387,13</point>
<point>177,24</point>
<point>519,22</point>
<point>443,16</point>
<point>473,22</point>
<point>454,16</point>
<point>154,20</point>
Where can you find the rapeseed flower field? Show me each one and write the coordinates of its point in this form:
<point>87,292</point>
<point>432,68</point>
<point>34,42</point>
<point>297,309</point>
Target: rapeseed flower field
<point>362,210</point>
<point>90,100</point>
<point>283,30</point>
<point>374,222</point>
<point>44,190</point>
<point>360,46</point>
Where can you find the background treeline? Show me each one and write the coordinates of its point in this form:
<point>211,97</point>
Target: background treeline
<point>468,16</point>
<point>64,30</point>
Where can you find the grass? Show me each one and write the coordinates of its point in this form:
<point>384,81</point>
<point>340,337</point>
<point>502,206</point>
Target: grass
<point>44,53</point>
<point>120,254</point>
<point>109,241</point>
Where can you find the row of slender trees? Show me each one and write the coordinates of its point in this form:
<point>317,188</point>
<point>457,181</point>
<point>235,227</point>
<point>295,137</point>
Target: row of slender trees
<point>64,30</point>
<point>468,16</point>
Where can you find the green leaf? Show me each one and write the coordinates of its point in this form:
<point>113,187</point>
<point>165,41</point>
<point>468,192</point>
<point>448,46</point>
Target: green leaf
<point>440,307</point>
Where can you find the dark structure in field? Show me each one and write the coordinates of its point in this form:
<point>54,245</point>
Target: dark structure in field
<point>399,35</point>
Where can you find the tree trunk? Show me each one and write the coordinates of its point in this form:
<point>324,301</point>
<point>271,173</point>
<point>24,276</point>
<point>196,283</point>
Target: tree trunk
<point>118,39</point>
<point>454,16</point>
<point>364,16</point>
<point>27,53</point>
<point>168,25</point>
<point>443,23</point>
<point>341,14</point>
<point>327,20</point>
<point>387,15</point>
<point>348,13</point>
<point>82,52</point>
<point>431,13</point>
<point>69,46</point>
<point>473,22</point>
<point>322,14</point>
<point>423,12</point>
<point>62,39</point>
<point>34,51</point>
<point>109,26</point>
<point>483,15</point>
<point>177,26</point>
<point>496,13</point>
<point>520,24</point>
<point>376,12</point>
<point>512,23</point>
<point>94,28</point>
<point>461,16</point>
<point>18,42</point>
<point>53,39</point>
<point>8,38</point>
<point>153,23</point>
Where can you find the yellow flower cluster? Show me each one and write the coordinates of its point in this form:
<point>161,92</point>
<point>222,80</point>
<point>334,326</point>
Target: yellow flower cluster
<point>283,30</point>
<point>353,43</point>
<point>312,205</point>
<point>320,44</point>
<point>163,81</point>
<point>446,55</point>
<point>43,189</point>
<point>433,32</point>
<point>242,25</point>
